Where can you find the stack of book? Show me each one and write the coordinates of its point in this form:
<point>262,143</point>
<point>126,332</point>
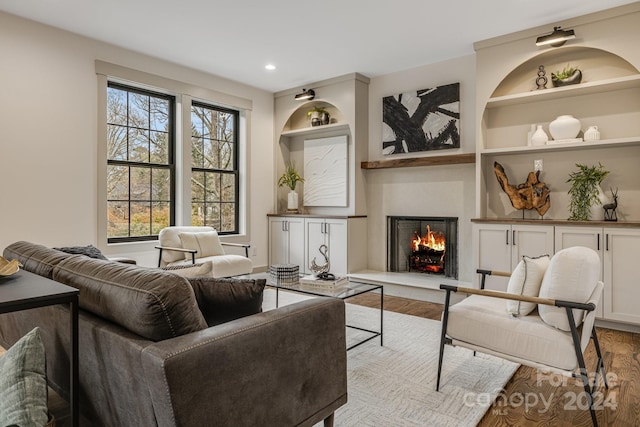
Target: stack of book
<point>312,280</point>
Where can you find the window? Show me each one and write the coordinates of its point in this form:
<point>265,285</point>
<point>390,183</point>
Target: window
<point>214,168</point>
<point>140,169</point>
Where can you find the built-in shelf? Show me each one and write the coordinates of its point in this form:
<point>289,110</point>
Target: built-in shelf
<point>316,129</point>
<point>619,224</point>
<point>602,143</point>
<point>587,88</point>
<point>453,159</point>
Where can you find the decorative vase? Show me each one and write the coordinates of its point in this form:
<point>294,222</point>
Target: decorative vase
<point>564,127</point>
<point>573,79</point>
<point>597,212</point>
<point>292,201</point>
<point>592,134</point>
<point>539,137</point>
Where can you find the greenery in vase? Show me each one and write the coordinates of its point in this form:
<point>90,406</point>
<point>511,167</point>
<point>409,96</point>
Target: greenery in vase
<point>564,74</point>
<point>584,190</point>
<point>290,177</point>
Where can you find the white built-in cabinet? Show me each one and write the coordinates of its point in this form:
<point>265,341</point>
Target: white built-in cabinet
<point>286,240</point>
<point>501,247</point>
<point>296,239</point>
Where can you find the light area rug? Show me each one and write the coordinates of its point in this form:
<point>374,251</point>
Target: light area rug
<point>394,384</point>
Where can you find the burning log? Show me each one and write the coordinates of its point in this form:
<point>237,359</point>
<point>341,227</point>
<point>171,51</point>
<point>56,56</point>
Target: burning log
<point>532,194</point>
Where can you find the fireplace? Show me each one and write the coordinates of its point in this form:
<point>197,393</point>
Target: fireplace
<point>423,245</point>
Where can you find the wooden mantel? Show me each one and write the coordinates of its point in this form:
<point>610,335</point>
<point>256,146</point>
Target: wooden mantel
<point>453,159</point>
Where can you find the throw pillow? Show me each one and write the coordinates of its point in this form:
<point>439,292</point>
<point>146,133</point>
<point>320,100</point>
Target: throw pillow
<point>192,270</point>
<point>23,383</point>
<point>89,250</point>
<point>207,243</point>
<point>526,280</point>
<point>223,300</point>
<point>572,275</point>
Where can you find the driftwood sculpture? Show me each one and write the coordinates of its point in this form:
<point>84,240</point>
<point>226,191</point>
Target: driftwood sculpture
<point>532,194</point>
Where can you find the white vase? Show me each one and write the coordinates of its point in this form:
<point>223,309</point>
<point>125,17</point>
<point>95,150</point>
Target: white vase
<point>564,127</point>
<point>539,137</point>
<point>597,210</point>
<point>592,134</point>
<point>292,201</point>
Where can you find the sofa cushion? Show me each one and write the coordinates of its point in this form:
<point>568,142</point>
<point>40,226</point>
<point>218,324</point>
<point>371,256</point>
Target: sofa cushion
<point>572,275</point>
<point>222,300</point>
<point>23,383</point>
<point>89,250</point>
<point>526,279</point>
<point>35,258</point>
<point>207,243</point>
<point>149,302</point>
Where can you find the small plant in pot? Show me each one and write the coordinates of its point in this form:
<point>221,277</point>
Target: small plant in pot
<point>568,76</point>
<point>291,178</point>
<point>585,190</point>
<point>318,116</point>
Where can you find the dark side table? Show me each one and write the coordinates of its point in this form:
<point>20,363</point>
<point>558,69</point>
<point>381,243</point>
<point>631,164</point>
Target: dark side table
<point>24,291</point>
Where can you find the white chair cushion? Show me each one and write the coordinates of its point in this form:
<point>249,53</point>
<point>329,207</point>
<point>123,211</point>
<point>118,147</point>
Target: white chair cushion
<point>207,243</point>
<point>169,237</point>
<point>483,322</point>
<point>526,279</point>
<point>572,275</point>
<point>223,265</point>
<point>204,269</point>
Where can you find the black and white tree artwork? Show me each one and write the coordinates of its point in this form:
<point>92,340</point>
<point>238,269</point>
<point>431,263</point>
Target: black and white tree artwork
<point>424,120</point>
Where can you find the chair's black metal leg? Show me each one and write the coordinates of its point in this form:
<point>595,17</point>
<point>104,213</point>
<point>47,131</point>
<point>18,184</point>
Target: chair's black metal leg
<point>583,370</point>
<point>594,336</point>
<point>443,335</point>
<point>160,258</point>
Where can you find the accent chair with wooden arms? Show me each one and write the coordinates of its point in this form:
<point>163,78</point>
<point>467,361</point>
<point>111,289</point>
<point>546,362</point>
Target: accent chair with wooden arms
<point>184,245</point>
<point>552,337</point>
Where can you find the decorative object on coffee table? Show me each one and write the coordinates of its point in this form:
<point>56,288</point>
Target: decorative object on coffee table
<point>585,190</point>
<point>290,178</point>
<point>610,208</point>
<point>319,269</point>
<point>532,194</point>
<point>7,268</point>
<point>568,76</point>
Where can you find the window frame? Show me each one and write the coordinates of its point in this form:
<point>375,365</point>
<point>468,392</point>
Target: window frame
<point>236,166</point>
<point>170,166</point>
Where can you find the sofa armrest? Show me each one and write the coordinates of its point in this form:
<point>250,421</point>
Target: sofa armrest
<point>282,367</point>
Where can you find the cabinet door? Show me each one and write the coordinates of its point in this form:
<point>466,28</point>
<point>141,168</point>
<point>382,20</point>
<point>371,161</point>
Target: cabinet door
<point>493,252</point>
<point>295,229</point>
<point>278,241</point>
<point>530,240</point>
<point>336,240</point>
<point>589,237</point>
<point>621,290</point>
<point>314,235</point>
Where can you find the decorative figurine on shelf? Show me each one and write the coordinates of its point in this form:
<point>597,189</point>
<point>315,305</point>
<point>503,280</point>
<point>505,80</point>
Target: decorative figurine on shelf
<point>610,208</point>
<point>568,76</point>
<point>532,194</point>
<point>319,270</point>
<point>541,81</point>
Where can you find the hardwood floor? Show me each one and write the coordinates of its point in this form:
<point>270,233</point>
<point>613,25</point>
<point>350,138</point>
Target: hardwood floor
<point>532,400</point>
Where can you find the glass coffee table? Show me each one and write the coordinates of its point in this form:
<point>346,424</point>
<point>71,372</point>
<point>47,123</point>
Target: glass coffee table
<point>344,292</point>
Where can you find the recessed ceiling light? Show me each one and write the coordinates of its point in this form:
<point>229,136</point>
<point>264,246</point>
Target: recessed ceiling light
<point>270,67</point>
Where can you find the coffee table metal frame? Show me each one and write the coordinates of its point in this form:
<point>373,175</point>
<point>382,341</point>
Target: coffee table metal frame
<point>344,292</point>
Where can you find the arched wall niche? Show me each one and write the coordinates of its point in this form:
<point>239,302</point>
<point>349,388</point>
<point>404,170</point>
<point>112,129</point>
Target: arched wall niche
<point>299,119</point>
<point>595,64</point>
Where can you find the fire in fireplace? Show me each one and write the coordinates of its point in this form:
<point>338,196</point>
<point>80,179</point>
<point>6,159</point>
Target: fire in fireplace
<point>423,245</point>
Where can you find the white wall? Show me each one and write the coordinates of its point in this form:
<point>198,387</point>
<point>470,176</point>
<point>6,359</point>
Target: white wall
<point>48,148</point>
<point>428,190</point>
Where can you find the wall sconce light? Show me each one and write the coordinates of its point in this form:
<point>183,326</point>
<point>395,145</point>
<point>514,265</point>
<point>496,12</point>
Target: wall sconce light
<point>306,95</point>
<point>557,38</point>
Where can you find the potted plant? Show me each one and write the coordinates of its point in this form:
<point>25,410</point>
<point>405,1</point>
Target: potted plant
<point>568,76</point>
<point>318,116</point>
<point>585,190</point>
<point>291,178</point>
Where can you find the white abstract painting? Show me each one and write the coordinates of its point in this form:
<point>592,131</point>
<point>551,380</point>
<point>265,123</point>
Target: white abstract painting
<point>325,171</point>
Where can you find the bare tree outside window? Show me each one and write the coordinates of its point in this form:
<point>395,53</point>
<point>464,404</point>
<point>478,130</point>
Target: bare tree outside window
<point>139,163</point>
<point>214,173</point>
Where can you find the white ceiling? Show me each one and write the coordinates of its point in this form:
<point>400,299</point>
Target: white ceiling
<point>306,40</point>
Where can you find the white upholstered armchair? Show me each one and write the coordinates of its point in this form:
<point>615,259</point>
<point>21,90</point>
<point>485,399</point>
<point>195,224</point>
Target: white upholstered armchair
<point>545,320</point>
<point>183,245</point>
